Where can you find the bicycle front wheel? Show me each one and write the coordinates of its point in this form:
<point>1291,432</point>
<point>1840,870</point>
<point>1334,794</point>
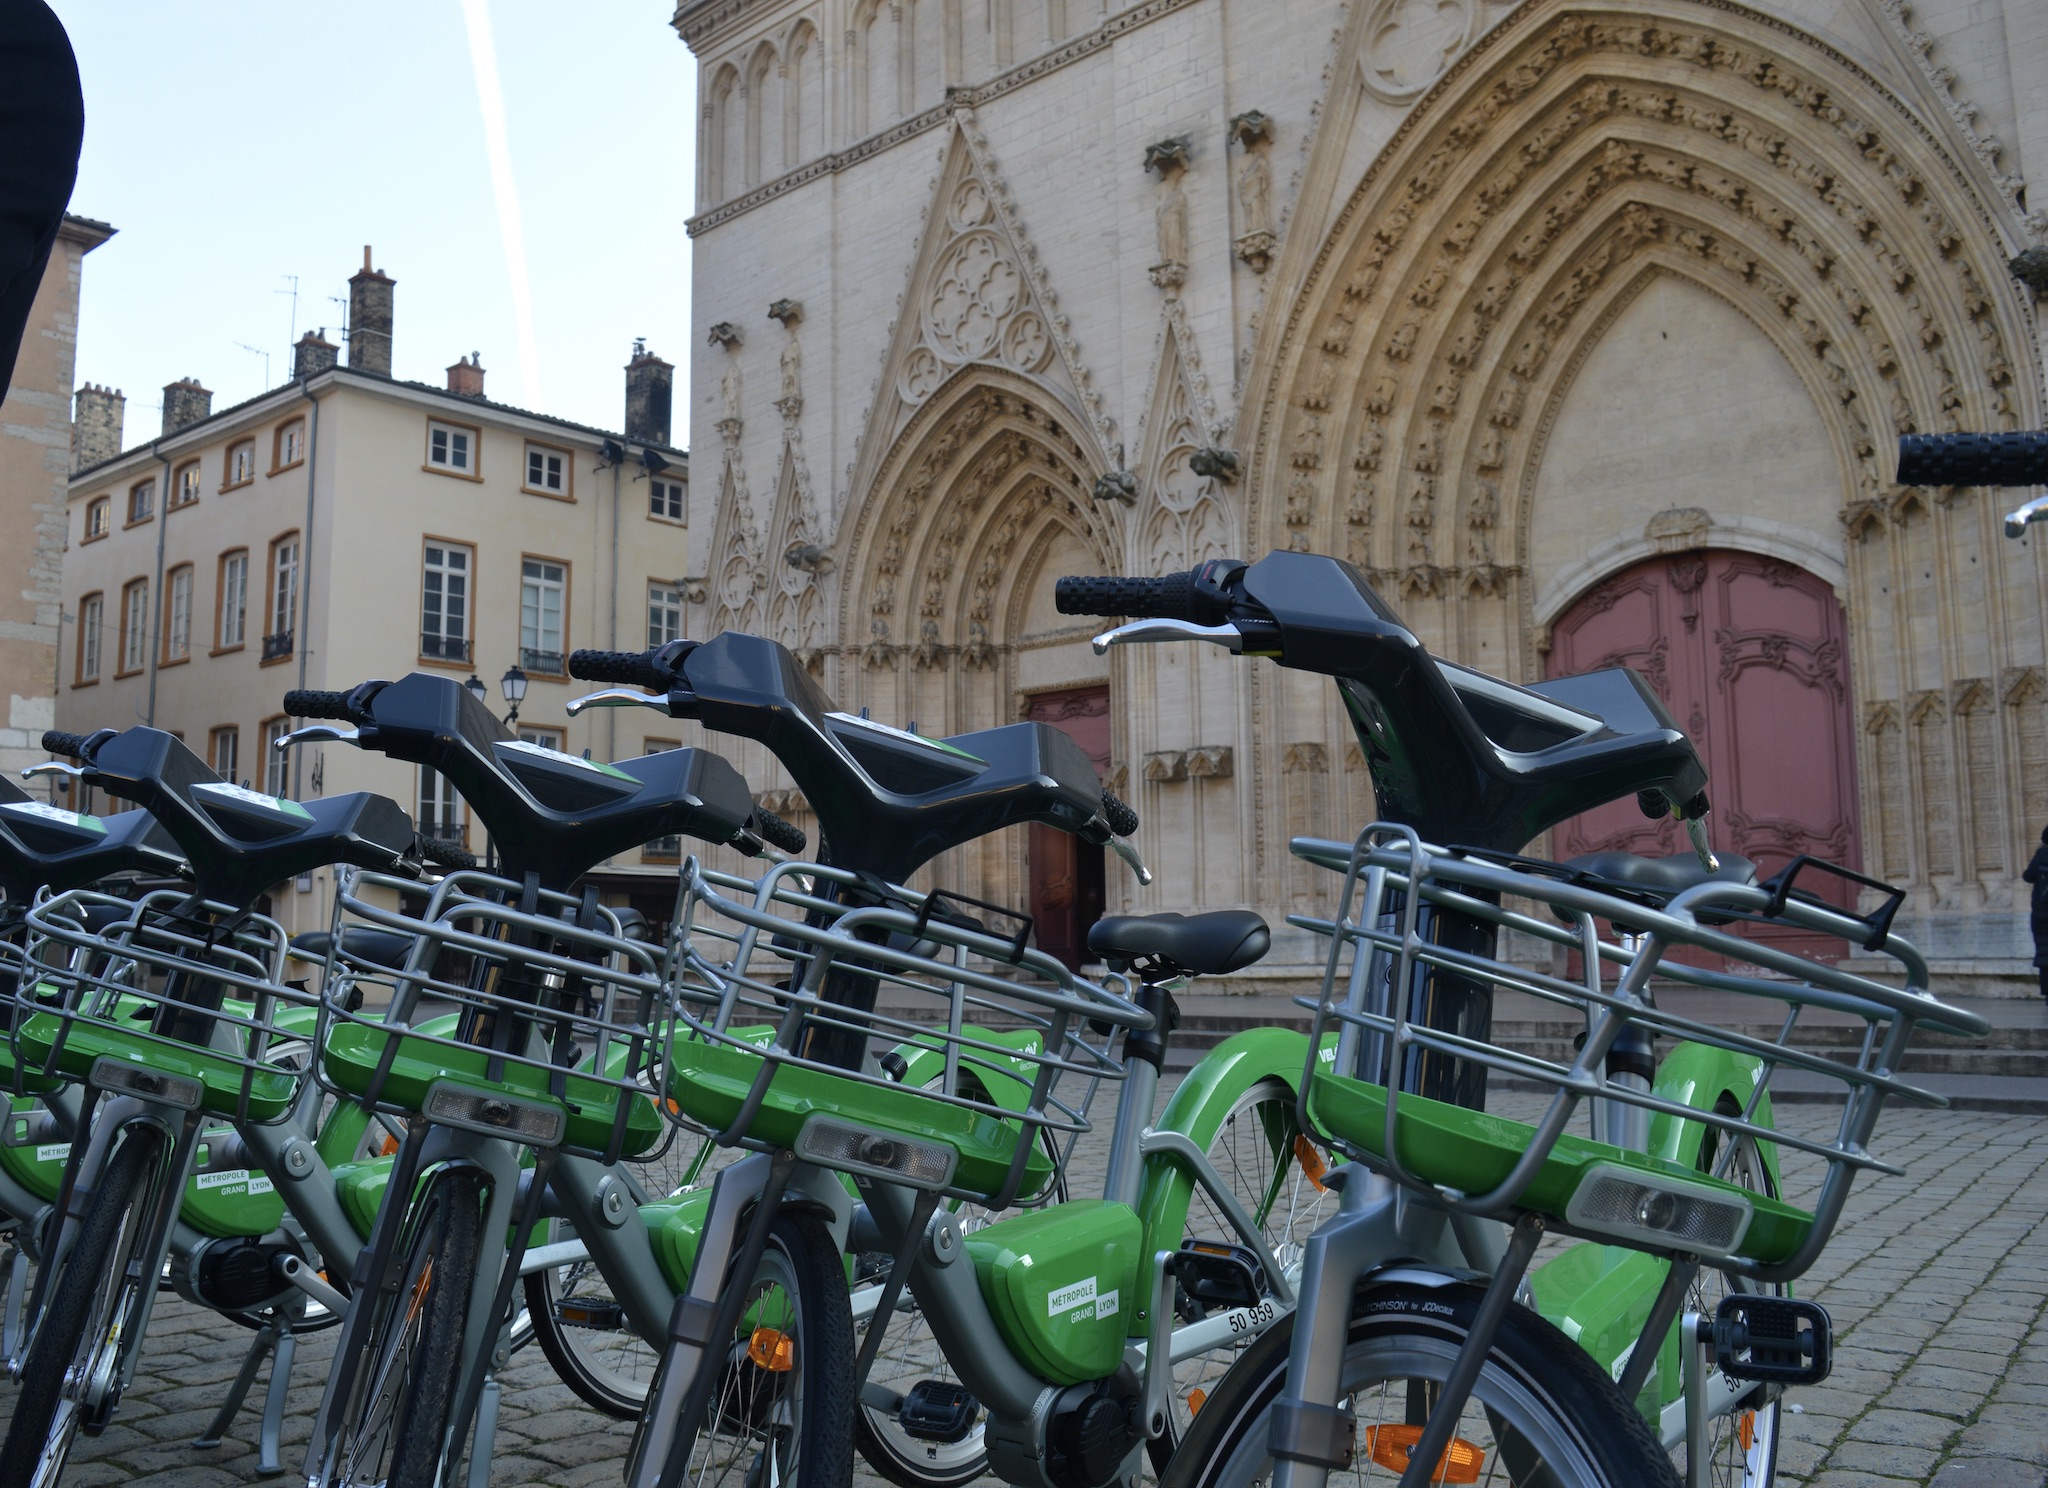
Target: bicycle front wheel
<point>398,1424</point>
<point>76,1358</point>
<point>782,1401</point>
<point>1541,1412</point>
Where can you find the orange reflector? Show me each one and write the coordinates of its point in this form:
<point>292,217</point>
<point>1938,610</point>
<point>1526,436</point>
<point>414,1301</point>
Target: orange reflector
<point>1312,1165</point>
<point>1745,1429</point>
<point>390,1146</point>
<point>1197,1398</point>
<point>1390,1445</point>
<point>772,1349</point>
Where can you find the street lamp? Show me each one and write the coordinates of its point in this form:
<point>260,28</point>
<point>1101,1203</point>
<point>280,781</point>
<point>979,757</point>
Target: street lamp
<point>475,686</point>
<point>513,685</point>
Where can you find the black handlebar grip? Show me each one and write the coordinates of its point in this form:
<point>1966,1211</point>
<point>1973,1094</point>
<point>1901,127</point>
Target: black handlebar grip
<point>634,668</point>
<point>1122,820</point>
<point>309,703</point>
<point>447,854</point>
<point>776,832</point>
<point>1169,598</point>
<point>1973,459</point>
<point>58,741</point>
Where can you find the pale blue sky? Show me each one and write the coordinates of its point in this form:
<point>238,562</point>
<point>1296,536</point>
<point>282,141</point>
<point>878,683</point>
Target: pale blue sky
<point>236,142</point>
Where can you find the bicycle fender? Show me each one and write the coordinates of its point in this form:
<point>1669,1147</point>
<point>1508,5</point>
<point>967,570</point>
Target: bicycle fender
<point>1196,1111</point>
<point>1700,1076</point>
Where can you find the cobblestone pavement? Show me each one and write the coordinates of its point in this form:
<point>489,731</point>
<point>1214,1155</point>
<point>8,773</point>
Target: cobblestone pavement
<point>1937,1283</point>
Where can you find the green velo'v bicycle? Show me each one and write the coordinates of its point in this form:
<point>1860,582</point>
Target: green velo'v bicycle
<point>1412,1356</point>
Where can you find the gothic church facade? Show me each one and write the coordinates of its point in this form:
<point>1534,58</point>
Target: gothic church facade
<point>1585,329</point>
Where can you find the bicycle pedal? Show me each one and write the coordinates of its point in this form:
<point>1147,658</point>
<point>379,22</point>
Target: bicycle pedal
<point>1773,1338</point>
<point>1217,1274</point>
<point>579,1312</point>
<point>937,1411</point>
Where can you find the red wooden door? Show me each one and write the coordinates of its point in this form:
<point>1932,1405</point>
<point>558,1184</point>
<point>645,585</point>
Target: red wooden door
<point>1068,880</point>
<point>1750,655</point>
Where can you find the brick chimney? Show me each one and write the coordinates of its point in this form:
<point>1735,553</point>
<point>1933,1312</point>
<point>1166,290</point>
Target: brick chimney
<point>467,378</point>
<point>314,354</point>
<point>650,384</point>
<point>96,417</point>
<point>185,404</point>
<point>369,319</point>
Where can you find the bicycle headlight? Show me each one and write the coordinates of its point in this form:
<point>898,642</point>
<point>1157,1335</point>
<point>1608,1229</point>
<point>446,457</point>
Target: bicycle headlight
<point>835,1144</point>
<point>1658,1211</point>
<point>109,1073</point>
<point>495,1114</point>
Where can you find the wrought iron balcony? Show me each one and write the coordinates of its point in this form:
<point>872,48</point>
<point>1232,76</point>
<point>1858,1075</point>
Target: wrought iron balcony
<point>444,648</point>
<point>277,647</point>
<point>547,663</point>
<point>663,850</point>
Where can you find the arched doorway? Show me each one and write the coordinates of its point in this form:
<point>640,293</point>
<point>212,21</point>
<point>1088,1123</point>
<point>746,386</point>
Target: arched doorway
<point>1069,885</point>
<point>1750,655</point>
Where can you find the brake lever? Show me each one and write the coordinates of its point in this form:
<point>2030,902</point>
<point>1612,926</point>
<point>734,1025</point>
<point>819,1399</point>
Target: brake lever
<point>619,697</point>
<point>53,767</point>
<point>1129,854</point>
<point>1228,636</point>
<point>2017,519</point>
<point>316,733</point>
<point>1696,828</point>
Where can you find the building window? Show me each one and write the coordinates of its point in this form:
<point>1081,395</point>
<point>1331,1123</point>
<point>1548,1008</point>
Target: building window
<point>178,614</point>
<point>141,502</point>
<point>543,590</point>
<point>277,763</point>
<point>224,752</point>
<point>185,484</point>
<point>546,738</point>
<point>665,500</point>
<point>444,603</point>
<point>440,814</point>
<point>451,447</point>
<point>134,627</point>
<point>664,615</point>
<point>91,611</point>
<point>547,470</point>
<point>99,517</point>
<point>288,445</point>
<point>241,465</point>
<point>661,849</point>
<point>284,597</point>
<point>231,621</point>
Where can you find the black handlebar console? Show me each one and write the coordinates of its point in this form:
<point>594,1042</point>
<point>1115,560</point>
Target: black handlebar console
<point>887,801</point>
<point>551,814</point>
<point>1460,756</point>
<point>47,845</point>
<point>2019,459</point>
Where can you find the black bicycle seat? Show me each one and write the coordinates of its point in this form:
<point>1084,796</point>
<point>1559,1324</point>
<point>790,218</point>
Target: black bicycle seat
<point>1202,945</point>
<point>379,947</point>
<point>1660,876</point>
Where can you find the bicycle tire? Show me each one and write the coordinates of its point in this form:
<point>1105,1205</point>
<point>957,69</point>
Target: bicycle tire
<point>1540,1399</point>
<point>398,1421</point>
<point>91,1289</point>
<point>748,1407</point>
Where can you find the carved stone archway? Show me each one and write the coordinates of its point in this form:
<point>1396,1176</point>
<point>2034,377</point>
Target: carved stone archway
<point>1410,390</point>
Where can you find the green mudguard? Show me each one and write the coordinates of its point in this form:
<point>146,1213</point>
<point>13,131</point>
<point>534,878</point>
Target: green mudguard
<point>1600,1295</point>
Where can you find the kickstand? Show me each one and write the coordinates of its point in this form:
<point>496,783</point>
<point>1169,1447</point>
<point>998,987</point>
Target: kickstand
<point>275,1336</point>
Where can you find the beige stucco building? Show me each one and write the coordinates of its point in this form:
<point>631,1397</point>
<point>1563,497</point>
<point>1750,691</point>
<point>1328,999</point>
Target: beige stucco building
<point>1586,329</point>
<point>36,445</point>
<point>348,526</point>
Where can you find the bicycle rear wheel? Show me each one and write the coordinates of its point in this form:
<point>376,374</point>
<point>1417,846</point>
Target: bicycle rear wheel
<point>398,1421</point>
<point>1743,1444</point>
<point>1542,1412</point>
<point>77,1354</point>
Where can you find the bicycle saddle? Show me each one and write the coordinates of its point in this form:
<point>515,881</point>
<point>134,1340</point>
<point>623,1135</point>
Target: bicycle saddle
<point>1661,876</point>
<point>380,947</point>
<point>1201,945</point>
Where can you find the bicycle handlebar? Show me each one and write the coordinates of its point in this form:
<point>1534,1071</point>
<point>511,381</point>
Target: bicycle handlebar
<point>443,853</point>
<point>2019,459</point>
<point>60,741</point>
<point>778,833</point>
<point>633,668</point>
<point>311,703</point>
<point>1171,597</point>
<point>1121,819</point>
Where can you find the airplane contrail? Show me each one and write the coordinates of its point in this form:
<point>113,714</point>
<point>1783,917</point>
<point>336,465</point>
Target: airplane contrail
<point>490,99</point>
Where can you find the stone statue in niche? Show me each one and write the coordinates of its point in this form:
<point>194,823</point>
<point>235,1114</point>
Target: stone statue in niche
<point>792,374</point>
<point>1421,519</point>
<point>731,391</point>
<point>1171,271</point>
<point>1254,244</point>
<point>1480,520</point>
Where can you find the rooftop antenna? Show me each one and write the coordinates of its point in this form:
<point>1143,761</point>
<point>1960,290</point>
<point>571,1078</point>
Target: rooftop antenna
<point>293,338</point>
<point>259,351</point>
<point>341,300</point>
